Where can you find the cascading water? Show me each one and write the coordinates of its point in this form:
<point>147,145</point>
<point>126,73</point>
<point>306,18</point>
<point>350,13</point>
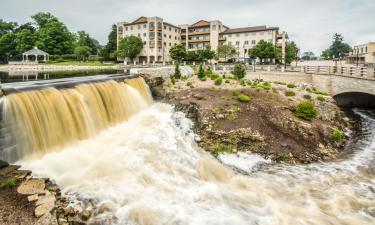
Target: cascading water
<point>149,171</point>
<point>36,122</point>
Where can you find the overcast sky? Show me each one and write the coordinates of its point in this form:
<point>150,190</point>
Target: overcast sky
<point>311,23</point>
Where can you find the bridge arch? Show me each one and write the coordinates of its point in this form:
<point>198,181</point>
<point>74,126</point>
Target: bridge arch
<point>355,99</point>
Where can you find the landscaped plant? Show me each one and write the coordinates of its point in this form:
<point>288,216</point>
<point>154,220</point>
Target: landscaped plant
<point>208,72</point>
<point>337,135</point>
<point>279,82</point>
<point>321,98</point>
<point>274,90</point>
<point>177,72</point>
<point>9,183</point>
<point>308,97</point>
<point>218,81</point>
<point>173,80</point>
<point>244,98</point>
<point>235,93</point>
<point>239,71</point>
<point>290,93</point>
<point>201,72</point>
<point>291,85</point>
<point>242,82</point>
<point>227,81</point>
<point>306,110</point>
<point>214,76</point>
<point>189,84</point>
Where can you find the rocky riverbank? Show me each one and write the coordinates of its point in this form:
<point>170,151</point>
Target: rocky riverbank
<point>266,123</point>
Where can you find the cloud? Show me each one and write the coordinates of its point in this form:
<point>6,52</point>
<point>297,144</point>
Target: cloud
<point>310,23</point>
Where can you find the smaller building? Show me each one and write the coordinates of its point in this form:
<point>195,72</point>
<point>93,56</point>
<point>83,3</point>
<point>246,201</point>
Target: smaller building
<point>363,54</point>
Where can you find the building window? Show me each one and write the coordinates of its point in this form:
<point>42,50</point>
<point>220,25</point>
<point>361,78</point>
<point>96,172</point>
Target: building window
<point>165,27</point>
<point>175,37</point>
<point>229,43</point>
<point>230,35</point>
<point>246,42</point>
<point>170,44</point>
<point>237,43</point>
<point>254,33</point>
<point>366,50</point>
<point>237,35</point>
<point>170,36</point>
<point>175,30</point>
<point>361,50</point>
<point>213,27</point>
<point>144,25</point>
<point>246,34</point>
<point>253,42</point>
<point>170,29</point>
<point>139,26</point>
<point>144,34</point>
<point>126,28</point>
<point>131,27</point>
<point>165,43</point>
<point>144,43</point>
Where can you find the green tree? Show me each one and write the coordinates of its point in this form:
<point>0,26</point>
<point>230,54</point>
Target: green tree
<point>177,72</point>
<point>83,52</point>
<point>338,49</point>
<point>327,54</point>
<point>108,52</point>
<point>84,39</point>
<point>308,56</point>
<point>226,51</point>
<point>130,47</point>
<point>7,46</point>
<point>24,40</point>
<point>205,54</point>
<point>6,27</point>
<point>177,52</point>
<point>201,73</point>
<point>191,56</point>
<point>263,50</point>
<point>52,35</point>
<point>291,52</point>
<point>239,71</point>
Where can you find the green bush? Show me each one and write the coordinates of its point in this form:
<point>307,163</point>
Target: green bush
<point>208,72</point>
<point>9,183</point>
<point>235,93</point>
<point>239,71</point>
<point>321,98</point>
<point>266,84</point>
<point>291,85</point>
<point>274,90</point>
<point>214,76</point>
<point>177,72</point>
<point>308,97</point>
<point>189,84</point>
<point>244,98</point>
<point>290,93</point>
<point>242,82</point>
<point>337,135</point>
<point>306,110</point>
<point>203,79</point>
<point>201,72</point>
<point>218,81</point>
<point>173,80</point>
<point>279,82</point>
<point>227,81</point>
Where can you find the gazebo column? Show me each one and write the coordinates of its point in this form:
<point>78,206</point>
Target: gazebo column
<point>44,58</point>
<point>36,58</point>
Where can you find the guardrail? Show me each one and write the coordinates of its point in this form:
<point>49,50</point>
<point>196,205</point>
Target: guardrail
<point>362,72</point>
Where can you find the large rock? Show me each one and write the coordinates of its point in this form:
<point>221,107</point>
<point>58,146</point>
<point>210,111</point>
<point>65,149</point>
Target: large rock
<point>43,209</point>
<point>31,187</point>
<point>45,199</point>
<point>3,163</point>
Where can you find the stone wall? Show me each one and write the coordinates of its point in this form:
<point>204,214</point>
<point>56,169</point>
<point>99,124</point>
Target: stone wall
<point>164,72</point>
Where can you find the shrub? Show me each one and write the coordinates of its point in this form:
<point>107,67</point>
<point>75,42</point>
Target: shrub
<point>173,80</point>
<point>266,84</point>
<point>218,81</point>
<point>189,84</point>
<point>177,72</point>
<point>235,93</point>
<point>306,110</point>
<point>291,85</point>
<point>308,97</point>
<point>230,117</point>
<point>9,183</point>
<point>227,81</point>
<point>242,82</point>
<point>321,98</point>
<point>244,98</point>
<point>274,90</point>
<point>279,82</point>
<point>290,93</point>
<point>337,135</point>
<point>208,72</point>
<point>239,71</point>
<point>201,72</point>
<point>214,76</point>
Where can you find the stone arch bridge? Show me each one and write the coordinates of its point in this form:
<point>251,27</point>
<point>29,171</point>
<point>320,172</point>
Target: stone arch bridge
<point>349,86</point>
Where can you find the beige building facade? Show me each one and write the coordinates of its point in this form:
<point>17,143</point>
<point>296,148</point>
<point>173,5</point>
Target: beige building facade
<point>363,54</point>
<point>159,36</point>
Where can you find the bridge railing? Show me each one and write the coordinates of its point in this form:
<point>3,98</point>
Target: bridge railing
<point>363,72</point>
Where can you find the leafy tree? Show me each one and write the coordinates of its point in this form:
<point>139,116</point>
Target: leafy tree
<point>291,52</point>
<point>7,46</point>
<point>24,40</point>
<point>110,48</point>
<point>226,51</point>
<point>239,71</point>
<point>130,47</point>
<point>27,26</point>
<point>201,73</point>
<point>84,39</point>
<point>177,72</point>
<point>177,52</point>
<point>327,54</point>
<point>83,52</point>
<point>6,27</point>
<point>263,50</point>
<point>308,56</point>
<point>338,48</point>
<point>205,54</point>
<point>52,35</point>
<point>191,56</point>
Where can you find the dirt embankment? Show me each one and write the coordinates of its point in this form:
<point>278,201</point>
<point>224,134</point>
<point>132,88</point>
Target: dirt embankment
<point>266,124</point>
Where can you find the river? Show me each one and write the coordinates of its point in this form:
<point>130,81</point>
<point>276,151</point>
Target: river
<point>148,170</point>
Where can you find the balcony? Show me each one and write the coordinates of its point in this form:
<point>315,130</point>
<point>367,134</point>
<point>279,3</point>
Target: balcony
<point>192,33</point>
<point>222,38</point>
<point>199,40</point>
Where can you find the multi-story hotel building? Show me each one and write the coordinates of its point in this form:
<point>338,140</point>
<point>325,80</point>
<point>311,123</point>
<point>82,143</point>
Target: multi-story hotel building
<point>159,36</point>
<point>363,54</point>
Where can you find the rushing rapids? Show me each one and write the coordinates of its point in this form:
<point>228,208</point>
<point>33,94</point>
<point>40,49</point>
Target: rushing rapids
<point>36,122</point>
<point>148,170</point>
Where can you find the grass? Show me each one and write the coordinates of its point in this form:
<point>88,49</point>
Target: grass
<point>337,135</point>
<point>217,110</point>
<point>290,93</point>
<point>222,148</point>
<point>321,98</point>
<point>79,63</point>
<point>291,85</point>
<point>230,117</point>
<point>9,183</point>
<point>244,98</point>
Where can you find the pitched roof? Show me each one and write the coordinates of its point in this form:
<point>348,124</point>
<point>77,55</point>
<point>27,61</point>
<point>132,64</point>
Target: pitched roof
<point>141,19</point>
<point>201,23</point>
<point>248,29</point>
<point>35,51</point>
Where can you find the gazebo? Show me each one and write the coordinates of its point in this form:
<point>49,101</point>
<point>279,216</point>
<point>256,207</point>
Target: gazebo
<point>35,52</point>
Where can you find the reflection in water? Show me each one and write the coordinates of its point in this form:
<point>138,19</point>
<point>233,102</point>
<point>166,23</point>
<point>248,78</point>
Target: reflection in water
<point>148,170</point>
<point>22,76</point>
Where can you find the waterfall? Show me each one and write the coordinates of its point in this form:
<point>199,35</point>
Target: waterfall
<point>36,122</point>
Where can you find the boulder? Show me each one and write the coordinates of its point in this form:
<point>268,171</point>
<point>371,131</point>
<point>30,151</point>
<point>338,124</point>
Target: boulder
<point>32,198</point>
<point>3,164</point>
<point>31,187</point>
<point>44,208</point>
<point>45,199</point>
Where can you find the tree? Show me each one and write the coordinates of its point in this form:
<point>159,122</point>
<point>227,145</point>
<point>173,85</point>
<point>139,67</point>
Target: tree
<point>338,48</point>
<point>308,56</point>
<point>110,48</point>
<point>177,72</point>
<point>6,27</point>
<point>205,54</point>
<point>24,40</point>
<point>84,39</point>
<point>7,46</point>
<point>263,50</point>
<point>83,52</point>
<point>291,52</point>
<point>239,71</point>
<point>130,47</point>
<point>226,51</point>
<point>177,52</point>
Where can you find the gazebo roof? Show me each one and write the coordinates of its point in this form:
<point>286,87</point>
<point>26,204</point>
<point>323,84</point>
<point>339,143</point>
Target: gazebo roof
<point>35,51</point>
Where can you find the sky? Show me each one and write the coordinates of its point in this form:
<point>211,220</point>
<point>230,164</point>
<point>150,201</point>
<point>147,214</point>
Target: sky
<point>310,23</point>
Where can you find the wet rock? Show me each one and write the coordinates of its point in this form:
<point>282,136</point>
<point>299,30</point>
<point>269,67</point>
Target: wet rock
<point>31,187</point>
<point>85,215</point>
<point>44,208</point>
<point>284,145</point>
<point>46,199</point>
<point>3,164</point>
<point>47,219</point>
<point>69,211</point>
<point>104,208</point>
<point>8,169</point>
<point>21,174</point>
